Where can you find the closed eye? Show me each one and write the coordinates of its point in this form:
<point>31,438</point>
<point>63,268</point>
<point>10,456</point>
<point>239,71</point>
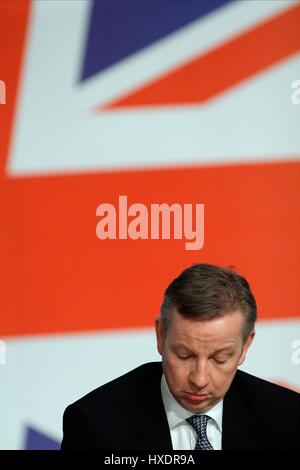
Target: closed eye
<point>221,360</point>
<point>183,357</point>
<point>218,361</point>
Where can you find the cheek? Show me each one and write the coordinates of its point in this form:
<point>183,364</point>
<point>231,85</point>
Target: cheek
<point>176,372</point>
<point>222,377</point>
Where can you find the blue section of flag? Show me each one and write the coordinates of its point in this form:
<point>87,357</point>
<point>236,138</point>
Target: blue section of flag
<point>120,28</point>
<point>35,440</point>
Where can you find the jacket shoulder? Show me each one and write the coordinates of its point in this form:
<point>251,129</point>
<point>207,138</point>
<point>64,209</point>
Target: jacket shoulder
<point>125,388</point>
<point>265,392</point>
<point>90,422</point>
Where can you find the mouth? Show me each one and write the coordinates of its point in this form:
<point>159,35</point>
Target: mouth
<point>199,397</point>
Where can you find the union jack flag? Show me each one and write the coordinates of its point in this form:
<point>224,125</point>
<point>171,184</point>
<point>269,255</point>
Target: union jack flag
<point>163,101</point>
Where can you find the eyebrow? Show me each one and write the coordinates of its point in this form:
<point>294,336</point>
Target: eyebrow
<point>224,349</point>
<point>181,345</point>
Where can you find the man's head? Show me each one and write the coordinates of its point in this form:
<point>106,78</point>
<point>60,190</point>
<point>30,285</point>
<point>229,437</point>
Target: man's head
<point>205,329</point>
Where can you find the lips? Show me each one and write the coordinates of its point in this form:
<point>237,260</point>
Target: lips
<point>196,397</point>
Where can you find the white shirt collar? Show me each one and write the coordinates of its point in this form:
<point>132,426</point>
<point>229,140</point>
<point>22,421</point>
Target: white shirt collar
<point>177,414</point>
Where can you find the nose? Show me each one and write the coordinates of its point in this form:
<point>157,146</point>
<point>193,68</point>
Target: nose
<point>199,376</point>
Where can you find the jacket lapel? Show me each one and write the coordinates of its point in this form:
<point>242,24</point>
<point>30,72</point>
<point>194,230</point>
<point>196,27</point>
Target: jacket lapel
<point>152,424</point>
<point>238,423</point>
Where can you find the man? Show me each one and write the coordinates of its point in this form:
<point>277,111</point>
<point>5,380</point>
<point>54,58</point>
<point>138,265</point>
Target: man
<point>195,398</point>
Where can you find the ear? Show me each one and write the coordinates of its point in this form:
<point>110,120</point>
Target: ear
<point>246,346</point>
<point>160,335</point>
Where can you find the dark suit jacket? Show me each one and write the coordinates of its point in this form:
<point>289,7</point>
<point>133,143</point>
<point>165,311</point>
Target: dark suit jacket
<point>128,413</point>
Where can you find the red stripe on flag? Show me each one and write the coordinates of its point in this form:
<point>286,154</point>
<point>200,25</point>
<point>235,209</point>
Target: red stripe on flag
<point>57,276</point>
<point>13,25</point>
<point>221,68</point>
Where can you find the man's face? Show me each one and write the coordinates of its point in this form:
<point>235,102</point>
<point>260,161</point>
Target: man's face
<point>200,358</point>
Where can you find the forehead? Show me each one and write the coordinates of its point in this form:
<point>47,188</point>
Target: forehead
<point>217,331</point>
